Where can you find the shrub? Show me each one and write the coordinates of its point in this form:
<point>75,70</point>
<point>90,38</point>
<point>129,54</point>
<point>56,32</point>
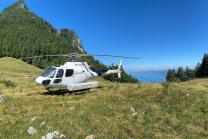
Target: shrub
<point>7,83</point>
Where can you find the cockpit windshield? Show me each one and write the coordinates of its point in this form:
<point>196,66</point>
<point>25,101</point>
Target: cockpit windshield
<point>49,73</point>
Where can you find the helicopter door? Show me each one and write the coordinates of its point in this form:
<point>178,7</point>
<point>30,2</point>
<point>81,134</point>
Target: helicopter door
<point>58,77</point>
<point>68,77</point>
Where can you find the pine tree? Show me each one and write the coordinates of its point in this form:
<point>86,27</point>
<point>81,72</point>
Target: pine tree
<point>180,74</point>
<point>171,75</point>
<point>205,70</point>
<point>197,72</point>
<point>189,74</point>
<point>202,69</point>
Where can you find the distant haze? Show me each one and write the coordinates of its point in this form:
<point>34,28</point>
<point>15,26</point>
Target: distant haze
<point>154,76</point>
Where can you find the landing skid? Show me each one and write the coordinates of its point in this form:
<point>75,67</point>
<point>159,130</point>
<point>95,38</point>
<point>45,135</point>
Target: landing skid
<point>54,89</point>
<point>48,89</point>
<point>77,88</point>
<point>83,86</point>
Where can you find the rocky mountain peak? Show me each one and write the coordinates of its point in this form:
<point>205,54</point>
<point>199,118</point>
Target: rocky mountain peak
<point>21,4</point>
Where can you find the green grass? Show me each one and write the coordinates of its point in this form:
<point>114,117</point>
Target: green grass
<point>180,112</point>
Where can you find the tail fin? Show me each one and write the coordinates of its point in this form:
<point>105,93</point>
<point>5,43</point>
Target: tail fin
<point>119,69</point>
<point>115,71</point>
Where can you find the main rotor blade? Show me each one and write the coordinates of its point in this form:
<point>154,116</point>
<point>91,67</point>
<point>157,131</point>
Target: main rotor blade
<point>77,55</point>
<point>42,56</point>
<point>107,55</point>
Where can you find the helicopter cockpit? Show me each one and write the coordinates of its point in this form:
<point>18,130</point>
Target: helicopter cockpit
<point>49,73</point>
<point>57,72</point>
<point>54,75</point>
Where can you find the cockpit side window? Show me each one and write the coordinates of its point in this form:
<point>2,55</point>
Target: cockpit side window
<point>49,73</point>
<point>60,73</point>
<point>69,72</point>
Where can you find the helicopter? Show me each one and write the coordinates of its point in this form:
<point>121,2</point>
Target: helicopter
<point>74,75</point>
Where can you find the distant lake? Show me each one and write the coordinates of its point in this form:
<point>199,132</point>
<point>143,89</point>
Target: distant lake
<point>150,76</point>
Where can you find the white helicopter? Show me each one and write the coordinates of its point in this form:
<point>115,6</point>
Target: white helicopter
<point>74,75</point>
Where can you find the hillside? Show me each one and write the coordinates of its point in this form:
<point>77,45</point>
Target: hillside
<point>24,34</point>
<point>178,111</point>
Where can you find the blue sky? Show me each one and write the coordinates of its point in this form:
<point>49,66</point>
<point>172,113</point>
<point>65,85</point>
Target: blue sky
<point>164,33</point>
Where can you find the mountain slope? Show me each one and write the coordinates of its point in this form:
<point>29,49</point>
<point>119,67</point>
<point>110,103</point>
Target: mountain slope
<point>24,34</point>
<point>112,111</point>
<point>12,65</point>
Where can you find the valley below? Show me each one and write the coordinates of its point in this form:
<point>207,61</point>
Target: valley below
<point>150,76</point>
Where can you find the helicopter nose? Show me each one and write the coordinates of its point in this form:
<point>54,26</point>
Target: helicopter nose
<point>39,80</point>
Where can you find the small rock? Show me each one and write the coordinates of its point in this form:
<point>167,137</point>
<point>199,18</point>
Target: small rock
<point>53,135</point>
<point>31,130</point>
<point>42,123</point>
<point>48,136</point>
<point>72,108</point>
<point>2,97</point>
<point>133,111</point>
<point>90,137</point>
<point>56,134</point>
<point>62,136</point>
<point>33,118</point>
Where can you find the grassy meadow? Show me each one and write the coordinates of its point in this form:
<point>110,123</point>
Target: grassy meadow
<point>163,111</point>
